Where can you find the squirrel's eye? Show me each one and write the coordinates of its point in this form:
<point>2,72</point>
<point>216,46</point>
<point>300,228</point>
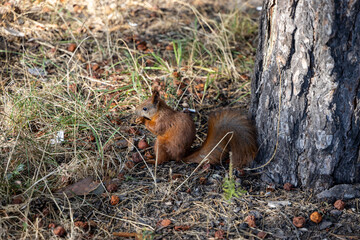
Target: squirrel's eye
<point>144,108</point>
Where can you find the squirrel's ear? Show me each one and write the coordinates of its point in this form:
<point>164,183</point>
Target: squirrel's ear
<point>155,97</point>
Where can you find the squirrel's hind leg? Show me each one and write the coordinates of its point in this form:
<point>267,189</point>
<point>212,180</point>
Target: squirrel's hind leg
<point>161,153</point>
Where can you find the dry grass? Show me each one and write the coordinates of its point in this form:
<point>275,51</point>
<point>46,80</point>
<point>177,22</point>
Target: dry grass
<point>200,53</point>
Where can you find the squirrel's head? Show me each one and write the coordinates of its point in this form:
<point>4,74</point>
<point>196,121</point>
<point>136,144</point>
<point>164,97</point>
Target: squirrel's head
<point>149,107</point>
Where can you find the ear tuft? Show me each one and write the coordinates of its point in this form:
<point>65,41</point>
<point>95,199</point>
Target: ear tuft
<point>155,97</point>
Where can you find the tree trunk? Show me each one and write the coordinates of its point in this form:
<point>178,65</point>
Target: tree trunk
<point>305,92</point>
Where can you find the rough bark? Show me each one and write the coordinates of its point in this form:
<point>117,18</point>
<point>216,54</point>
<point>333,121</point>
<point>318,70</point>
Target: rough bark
<point>309,55</point>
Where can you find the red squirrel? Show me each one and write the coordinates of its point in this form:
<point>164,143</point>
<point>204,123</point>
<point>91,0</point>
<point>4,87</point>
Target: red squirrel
<point>175,133</point>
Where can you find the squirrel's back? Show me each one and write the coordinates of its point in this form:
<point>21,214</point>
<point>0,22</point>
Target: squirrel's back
<point>240,139</point>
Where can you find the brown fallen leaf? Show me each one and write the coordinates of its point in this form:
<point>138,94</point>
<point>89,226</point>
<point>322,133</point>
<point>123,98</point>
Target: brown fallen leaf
<point>182,228</point>
<point>51,225</point>
<point>59,231</point>
<point>288,186</point>
<point>148,155</point>
<point>141,45</point>
<point>270,188</point>
<point>129,164</point>
<point>262,235</point>
<point>169,47</point>
<point>127,235</point>
<point>112,187</point>
<point>202,180</point>
<point>81,224</point>
<point>250,220</point>
<point>82,187</point>
<point>165,222</point>
<point>219,234</point>
<point>72,47</point>
<point>142,144</point>
<point>17,200</point>
<point>176,176</point>
<point>136,157</point>
<point>114,200</point>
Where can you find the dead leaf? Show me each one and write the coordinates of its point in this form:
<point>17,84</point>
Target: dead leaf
<point>136,157</point>
<point>148,155</point>
<point>59,231</point>
<point>81,224</point>
<point>169,47</point>
<point>250,220</point>
<point>82,187</point>
<point>219,234</point>
<point>112,187</point>
<point>114,200</point>
<point>202,180</point>
<point>127,235</point>
<point>182,228</point>
<point>176,176</point>
<point>262,235</point>
<point>72,47</point>
<point>165,222</point>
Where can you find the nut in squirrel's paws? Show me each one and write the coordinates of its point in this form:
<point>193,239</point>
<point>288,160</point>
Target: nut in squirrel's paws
<point>139,120</point>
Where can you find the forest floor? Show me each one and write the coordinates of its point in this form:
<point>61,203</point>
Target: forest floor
<point>72,73</point>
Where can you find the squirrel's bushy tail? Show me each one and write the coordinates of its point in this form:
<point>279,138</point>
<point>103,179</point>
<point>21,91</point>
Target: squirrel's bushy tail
<point>242,142</point>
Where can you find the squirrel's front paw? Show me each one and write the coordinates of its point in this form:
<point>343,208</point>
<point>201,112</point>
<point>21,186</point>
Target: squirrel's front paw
<point>140,120</point>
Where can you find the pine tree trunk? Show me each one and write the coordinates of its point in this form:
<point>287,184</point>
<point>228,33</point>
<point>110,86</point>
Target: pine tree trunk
<point>309,56</point>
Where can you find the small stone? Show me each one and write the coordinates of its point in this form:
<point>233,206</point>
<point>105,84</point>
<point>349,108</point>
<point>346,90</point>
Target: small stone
<point>336,212</point>
<point>277,204</point>
<point>237,209</point>
<point>304,229</point>
<point>243,226</point>
<point>324,225</point>
<point>344,191</point>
